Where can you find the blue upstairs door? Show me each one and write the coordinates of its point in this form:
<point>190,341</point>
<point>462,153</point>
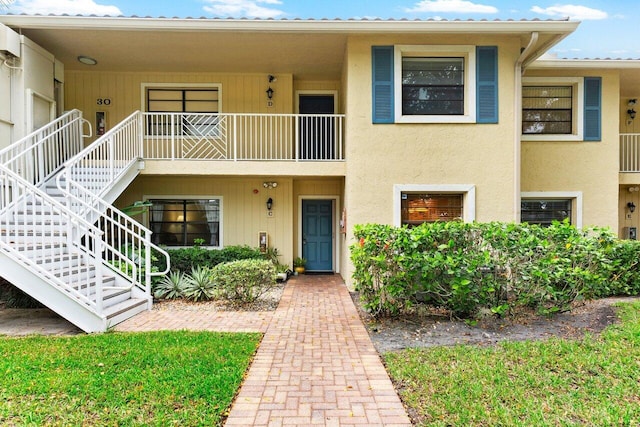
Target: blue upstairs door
<point>317,234</point>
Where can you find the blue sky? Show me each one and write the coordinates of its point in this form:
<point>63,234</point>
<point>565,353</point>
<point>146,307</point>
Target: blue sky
<point>608,28</point>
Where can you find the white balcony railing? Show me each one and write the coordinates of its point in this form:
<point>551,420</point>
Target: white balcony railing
<point>277,137</point>
<point>630,152</point>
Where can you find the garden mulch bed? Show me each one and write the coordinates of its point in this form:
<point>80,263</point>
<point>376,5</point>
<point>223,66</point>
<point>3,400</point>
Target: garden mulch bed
<point>266,302</point>
<point>433,328</point>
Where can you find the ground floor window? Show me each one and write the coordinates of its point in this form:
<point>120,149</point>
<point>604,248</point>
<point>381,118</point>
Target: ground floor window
<point>545,211</point>
<point>428,207</point>
<point>185,222</point>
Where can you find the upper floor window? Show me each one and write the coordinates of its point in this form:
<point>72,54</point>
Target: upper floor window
<point>435,84</point>
<point>553,109</point>
<point>432,86</point>
<point>548,110</point>
<point>183,100</point>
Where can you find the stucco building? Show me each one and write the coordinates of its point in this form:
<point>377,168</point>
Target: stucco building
<point>302,128</point>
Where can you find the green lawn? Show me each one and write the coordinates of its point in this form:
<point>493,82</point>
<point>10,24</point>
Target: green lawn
<point>160,378</point>
<point>593,382</point>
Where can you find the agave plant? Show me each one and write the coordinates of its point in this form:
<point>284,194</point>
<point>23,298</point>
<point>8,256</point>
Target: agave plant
<point>172,286</point>
<point>200,285</point>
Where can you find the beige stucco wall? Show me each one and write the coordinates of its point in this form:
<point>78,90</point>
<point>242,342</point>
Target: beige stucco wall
<point>589,167</point>
<point>381,155</point>
<point>244,212</point>
<point>241,93</point>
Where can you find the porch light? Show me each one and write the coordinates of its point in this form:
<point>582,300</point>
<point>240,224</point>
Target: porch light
<point>630,205</point>
<point>87,60</point>
<point>270,93</point>
<point>631,112</point>
<point>269,184</point>
<point>270,203</point>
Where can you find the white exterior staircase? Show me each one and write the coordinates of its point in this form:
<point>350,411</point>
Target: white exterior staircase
<point>61,241</point>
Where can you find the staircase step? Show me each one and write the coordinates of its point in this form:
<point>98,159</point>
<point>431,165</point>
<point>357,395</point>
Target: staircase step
<point>115,296</point>
<point>122,311</point>
<point>56,262</point>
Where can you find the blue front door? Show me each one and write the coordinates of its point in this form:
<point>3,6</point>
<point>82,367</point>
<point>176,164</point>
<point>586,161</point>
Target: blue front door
<point>317,234</point>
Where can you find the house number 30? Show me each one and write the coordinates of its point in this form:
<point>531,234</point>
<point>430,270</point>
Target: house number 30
<point>103,101</point>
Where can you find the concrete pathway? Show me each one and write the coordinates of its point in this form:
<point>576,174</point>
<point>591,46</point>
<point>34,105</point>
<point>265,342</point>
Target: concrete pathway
<point>317,366</point>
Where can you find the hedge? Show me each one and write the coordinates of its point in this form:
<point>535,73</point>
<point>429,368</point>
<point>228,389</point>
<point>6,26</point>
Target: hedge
<point>470,267</point>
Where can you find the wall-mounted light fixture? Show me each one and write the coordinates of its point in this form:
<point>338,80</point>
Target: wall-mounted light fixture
<point>271,79</point>
<point>631,111</point>
<point>631,206</point>
<point>270,203</point>
<point>269,184</point>
<point>632,189</point>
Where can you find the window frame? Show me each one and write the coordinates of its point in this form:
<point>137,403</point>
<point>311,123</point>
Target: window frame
<point>577,119</point>
<point>164,197</point>
<point>574,196</point>
<point>467,52</point>
<point>179,86</point>
<point>468,192</point>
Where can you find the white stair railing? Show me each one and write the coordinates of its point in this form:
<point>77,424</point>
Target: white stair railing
<point>92,173</point>
<point>52,236</point>
<point>37,156</point>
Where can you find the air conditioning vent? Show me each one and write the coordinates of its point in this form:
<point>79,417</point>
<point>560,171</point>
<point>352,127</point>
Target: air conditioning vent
<point>9,41</point>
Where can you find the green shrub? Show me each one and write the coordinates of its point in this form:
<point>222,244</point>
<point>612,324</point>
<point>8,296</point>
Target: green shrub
<point>171,286</point>
<point>200,285</point>
<point>185,259</point>
<point>245,280</point>
<point>468,267</point>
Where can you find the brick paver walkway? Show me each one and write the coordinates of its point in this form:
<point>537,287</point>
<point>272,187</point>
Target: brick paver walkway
<point>197,320</point>
<point>317,366</point>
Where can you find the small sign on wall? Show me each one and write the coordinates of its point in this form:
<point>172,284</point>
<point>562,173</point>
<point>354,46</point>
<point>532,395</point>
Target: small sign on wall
<point>263,241</point>
<point>101,123</point>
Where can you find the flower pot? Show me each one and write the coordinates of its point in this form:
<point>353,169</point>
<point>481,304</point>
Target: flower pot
<point>299,270</point>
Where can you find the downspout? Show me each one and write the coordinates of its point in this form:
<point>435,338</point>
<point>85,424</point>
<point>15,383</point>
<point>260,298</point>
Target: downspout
<point>517,148</point>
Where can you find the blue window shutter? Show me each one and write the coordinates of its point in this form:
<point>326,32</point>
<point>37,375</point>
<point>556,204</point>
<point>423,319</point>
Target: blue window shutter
<point>382,91</point>
<point>486,84</point>
<point>592,109</point>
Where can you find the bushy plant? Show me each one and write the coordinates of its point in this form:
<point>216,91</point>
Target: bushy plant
<point>495,266</point>
<point>171,286</point>
<point>185,259</point>
<point>245,280</point>
<point>200,285</point>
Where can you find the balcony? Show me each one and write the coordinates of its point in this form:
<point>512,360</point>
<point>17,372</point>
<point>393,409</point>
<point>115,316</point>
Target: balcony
<point>243,137</point>
<point>630,152</point>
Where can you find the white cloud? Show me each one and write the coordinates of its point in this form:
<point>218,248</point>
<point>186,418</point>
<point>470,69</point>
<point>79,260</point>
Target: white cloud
<point>243,8</point>
<point>451,6</point>
<point>59,7</point>
<point>581,13</point>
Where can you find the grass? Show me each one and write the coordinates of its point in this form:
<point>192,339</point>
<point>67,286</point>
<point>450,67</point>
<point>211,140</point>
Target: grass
<point>158,378</point>
<point>591,382</point>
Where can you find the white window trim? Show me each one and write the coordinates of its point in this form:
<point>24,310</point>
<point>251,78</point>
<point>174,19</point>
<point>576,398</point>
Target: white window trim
<point>145,86</point>
<point>468,52</point>
<point>146,219</point>
<point>578,83</point>
<point>575,196</point>
<point>468,192</point>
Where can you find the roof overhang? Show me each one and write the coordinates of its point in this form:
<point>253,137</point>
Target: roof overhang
<point>294,46</point>
<point>628,70</point>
